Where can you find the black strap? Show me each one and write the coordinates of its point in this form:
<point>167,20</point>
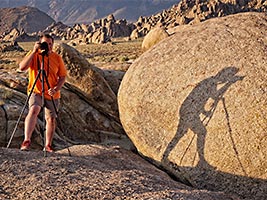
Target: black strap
<point>38,65</point>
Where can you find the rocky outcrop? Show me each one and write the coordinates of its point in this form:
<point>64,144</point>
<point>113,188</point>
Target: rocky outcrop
<point>191,12</point>
<point>201,10</point>
<point>12,46</point>
<point>16,35</point>
<point>195,104</point>
<point>91,172</point>
<point>86,78</point>
<point>99,31</point>
<point>57,30</point>
<point>102,30</point>
<point>153,37</point>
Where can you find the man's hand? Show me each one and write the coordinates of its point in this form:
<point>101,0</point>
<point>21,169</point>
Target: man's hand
<point>36,47</point>
<point>52,91</point>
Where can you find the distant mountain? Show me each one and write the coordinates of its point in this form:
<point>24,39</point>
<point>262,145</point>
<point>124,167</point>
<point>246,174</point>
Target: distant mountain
<point>86,11</point>
<point>186,12</point>
<point>24,18</point>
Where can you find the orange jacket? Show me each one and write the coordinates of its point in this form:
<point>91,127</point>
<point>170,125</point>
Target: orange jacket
<point>54,68</point>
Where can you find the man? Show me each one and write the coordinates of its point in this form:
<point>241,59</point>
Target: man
<point>56,73</point>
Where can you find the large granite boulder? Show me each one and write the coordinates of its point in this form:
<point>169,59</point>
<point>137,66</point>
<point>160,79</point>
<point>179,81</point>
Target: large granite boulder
<point>196,104</point>
<point>88,78</point>
<point>153,37</point>
<point>12,100</point>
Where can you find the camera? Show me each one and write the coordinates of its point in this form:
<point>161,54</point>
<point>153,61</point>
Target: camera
<point>44,48</point>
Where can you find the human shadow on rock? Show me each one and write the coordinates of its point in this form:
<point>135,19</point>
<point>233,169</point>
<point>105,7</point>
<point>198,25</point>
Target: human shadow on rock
<point>194,106</point>
<point>190,113</point>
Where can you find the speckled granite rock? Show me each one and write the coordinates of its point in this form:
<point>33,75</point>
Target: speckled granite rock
<point>196,104</point>
<point>86,77</point>
<point>153,37</point>
<point>92,172</point>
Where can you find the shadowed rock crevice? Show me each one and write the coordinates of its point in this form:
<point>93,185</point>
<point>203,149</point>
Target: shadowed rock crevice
<point>4,123</point>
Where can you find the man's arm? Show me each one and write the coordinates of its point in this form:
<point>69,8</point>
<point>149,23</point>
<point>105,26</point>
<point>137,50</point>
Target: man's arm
<point>60,83</point>
<point>24,64</point>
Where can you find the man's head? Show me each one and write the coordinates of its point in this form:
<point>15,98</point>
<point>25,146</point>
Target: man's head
<point>227,74</point>
<point>48,39</point>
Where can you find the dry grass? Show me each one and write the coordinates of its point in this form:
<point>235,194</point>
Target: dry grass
<point>117,51</point>
<point>10,60</point>
<point>116,55</point>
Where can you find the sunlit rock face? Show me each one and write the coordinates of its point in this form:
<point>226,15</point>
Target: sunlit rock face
<point>196,104</point>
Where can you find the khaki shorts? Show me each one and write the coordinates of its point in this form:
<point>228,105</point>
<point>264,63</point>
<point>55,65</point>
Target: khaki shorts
<point>50,111</point>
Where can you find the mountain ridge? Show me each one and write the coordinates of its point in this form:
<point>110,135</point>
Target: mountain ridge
<point>28,19</point>
<point>101,30</point>
<point>79,11</point>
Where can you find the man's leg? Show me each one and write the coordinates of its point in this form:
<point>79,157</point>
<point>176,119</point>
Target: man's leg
<point>200,129</point>
<point>50,129</point>
<point>30,121</point>
<point>50,117</point>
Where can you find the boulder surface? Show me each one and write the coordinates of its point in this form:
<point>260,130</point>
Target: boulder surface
<point>88,78</point>
<point>91,172</point>
<point>196,104</point>
<point>153,37</point>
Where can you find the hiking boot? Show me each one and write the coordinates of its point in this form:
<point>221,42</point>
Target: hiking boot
<point>48,148</point>
<point>25,146</point>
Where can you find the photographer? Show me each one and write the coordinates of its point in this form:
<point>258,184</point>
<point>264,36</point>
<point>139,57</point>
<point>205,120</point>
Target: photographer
<point>55,72</point>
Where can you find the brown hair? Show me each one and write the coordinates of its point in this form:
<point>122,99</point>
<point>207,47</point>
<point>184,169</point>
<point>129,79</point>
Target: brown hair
<point>46,35</point>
